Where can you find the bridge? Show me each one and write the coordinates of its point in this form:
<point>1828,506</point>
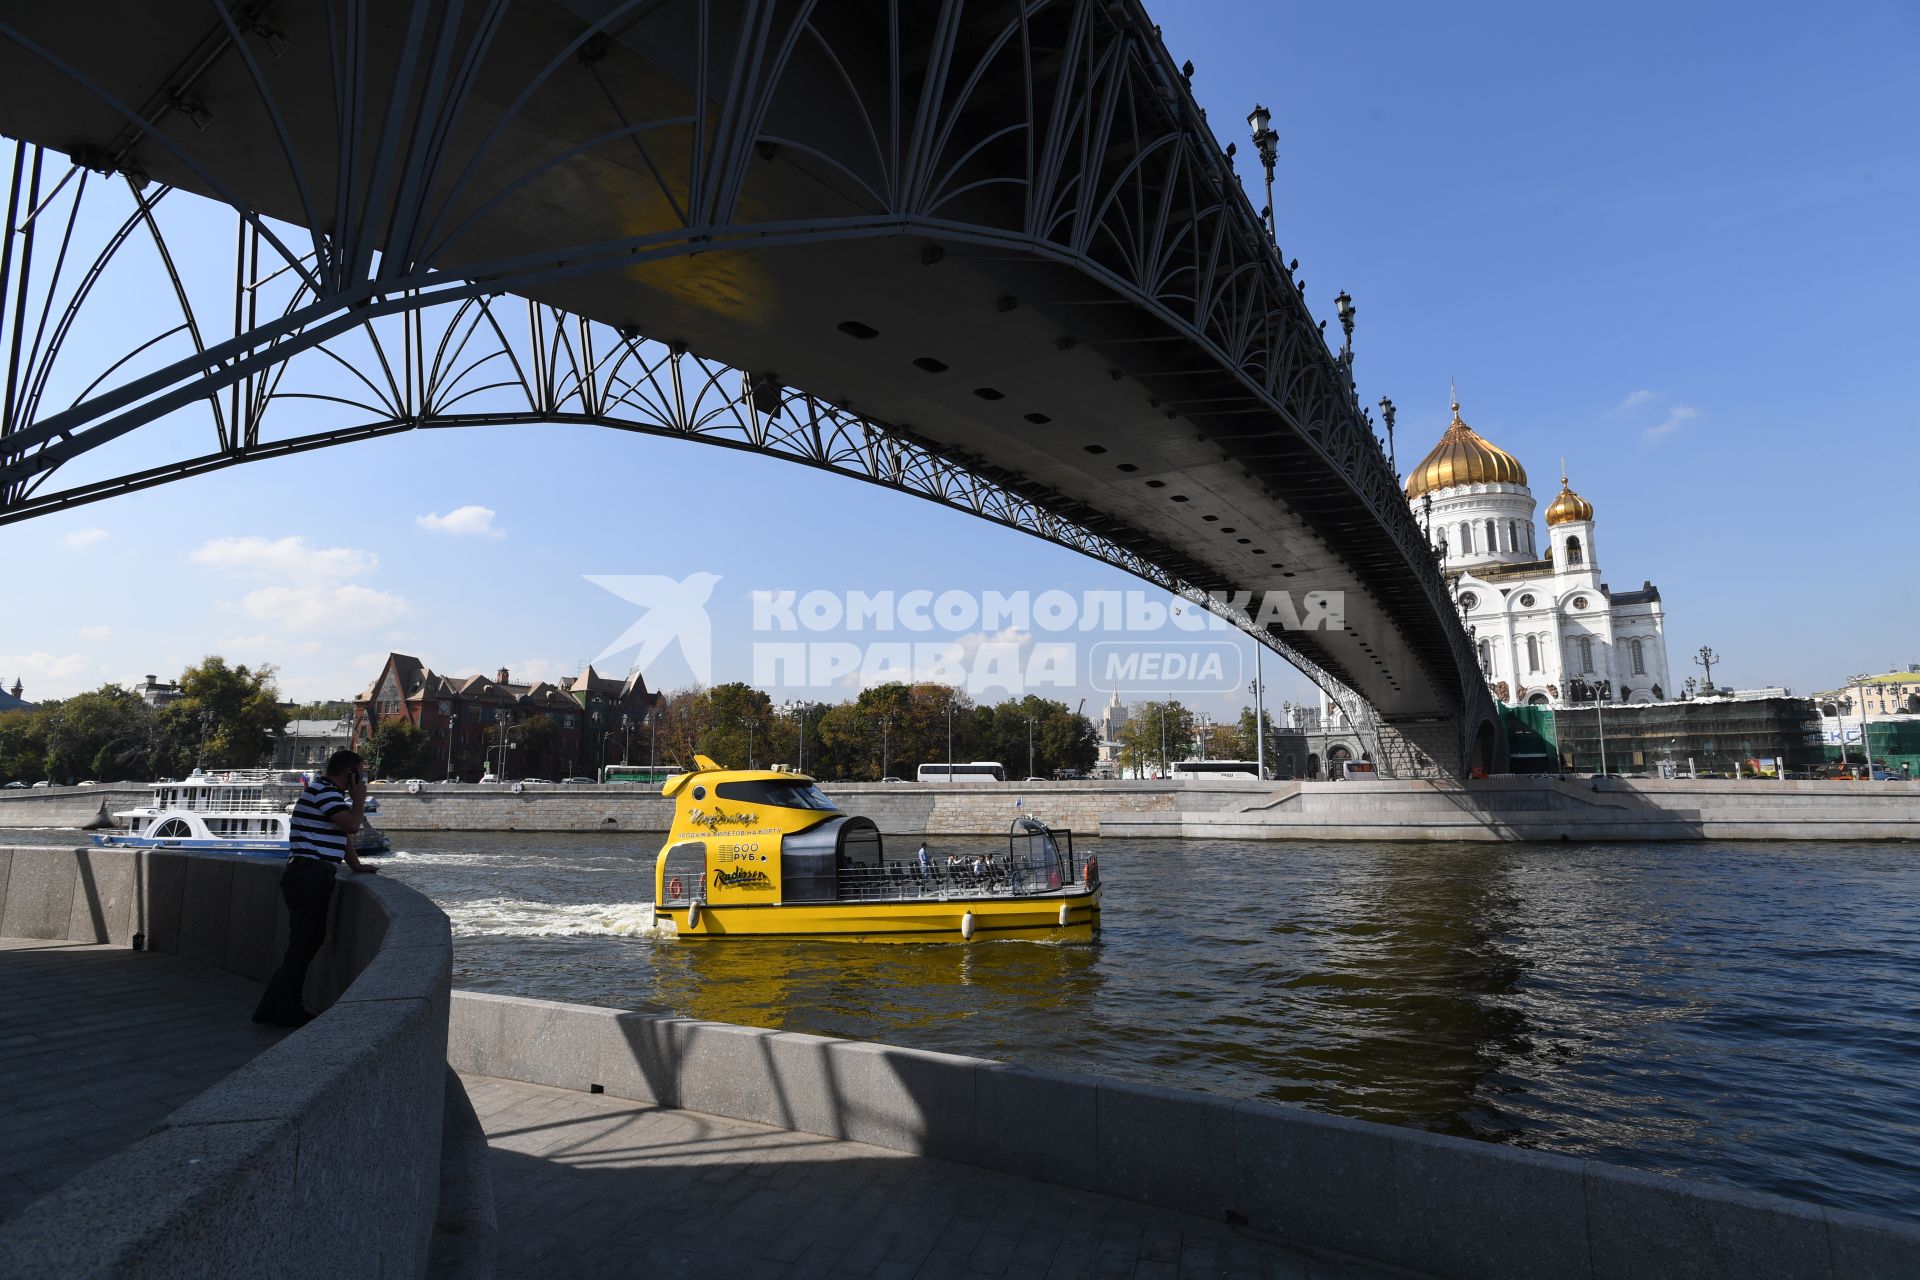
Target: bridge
<point>984,251</point>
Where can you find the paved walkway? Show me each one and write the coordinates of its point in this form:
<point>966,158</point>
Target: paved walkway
<point>98,1044</point>
<point>593,1186</point>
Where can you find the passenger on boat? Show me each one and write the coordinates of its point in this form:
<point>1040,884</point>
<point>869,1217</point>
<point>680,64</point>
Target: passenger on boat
<point>926,863</point>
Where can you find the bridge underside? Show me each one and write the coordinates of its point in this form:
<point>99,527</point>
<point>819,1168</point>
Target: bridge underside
<point>1001,230</point>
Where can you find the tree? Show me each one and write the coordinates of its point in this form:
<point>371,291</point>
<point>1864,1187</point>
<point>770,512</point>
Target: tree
<point>399,750</point>
<point>23,744</point>
<point>1061,739</point>
<point>234,711</point>
<point>108,733</point>
<point>1156,734</point>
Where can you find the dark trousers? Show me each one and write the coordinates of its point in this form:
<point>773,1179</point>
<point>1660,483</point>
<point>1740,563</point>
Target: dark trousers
<point>307,885</point>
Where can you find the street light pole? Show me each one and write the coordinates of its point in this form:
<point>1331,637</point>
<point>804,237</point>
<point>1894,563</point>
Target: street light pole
<point>1264,142</point>
<point>1866,739</point>
<point>949,738</point>
<point>1259,716</point>
<point>453,722</point>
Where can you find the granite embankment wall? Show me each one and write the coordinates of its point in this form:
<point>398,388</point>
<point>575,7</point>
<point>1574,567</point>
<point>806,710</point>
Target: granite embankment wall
<point>1437,1205</point>
<point>898,808</point>
<point>323,1156</point>
<point>1493,809</point>
<point>1549,809</point>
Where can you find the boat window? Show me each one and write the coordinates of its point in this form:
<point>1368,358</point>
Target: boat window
<point>172,828</point>
<point>782,795</point>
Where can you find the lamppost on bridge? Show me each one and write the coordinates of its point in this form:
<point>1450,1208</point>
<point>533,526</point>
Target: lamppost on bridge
<point>1387,412</point>
<point>1265,141</point>
<point>1344,308</point>
<point>1706,657</point>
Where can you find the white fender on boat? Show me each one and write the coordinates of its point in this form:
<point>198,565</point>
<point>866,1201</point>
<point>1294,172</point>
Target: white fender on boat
<point>966,926</point>
<point>519,786</point>
<point>413,788</point>
<point>1063,915</point>
<point>693,916</point>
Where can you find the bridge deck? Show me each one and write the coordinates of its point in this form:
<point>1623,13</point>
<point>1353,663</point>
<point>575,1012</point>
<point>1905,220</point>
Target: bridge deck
<point>98,1044</point>
<point>595,1186</point>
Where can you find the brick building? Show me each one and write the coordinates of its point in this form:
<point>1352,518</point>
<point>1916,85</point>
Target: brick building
<point>458,713</point>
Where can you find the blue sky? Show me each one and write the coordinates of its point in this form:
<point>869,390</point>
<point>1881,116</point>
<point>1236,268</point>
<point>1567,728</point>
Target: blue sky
<point>1672,244</point>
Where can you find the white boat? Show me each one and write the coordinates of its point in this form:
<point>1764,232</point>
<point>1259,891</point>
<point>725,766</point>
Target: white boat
<point>227,811</point>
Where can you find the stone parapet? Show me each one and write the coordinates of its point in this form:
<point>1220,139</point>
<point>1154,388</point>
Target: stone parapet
<point>1426,1202</point>
<point>321,1156</point>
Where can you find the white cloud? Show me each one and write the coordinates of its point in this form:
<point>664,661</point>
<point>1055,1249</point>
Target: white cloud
<point>317,608</point>
<point>81,539</point>
<point>290,558</point>
<point>1676,417</point>
<point>465,521</point>
<point>95,633</point>
<point>1637,398</point>
<point>45,666</point>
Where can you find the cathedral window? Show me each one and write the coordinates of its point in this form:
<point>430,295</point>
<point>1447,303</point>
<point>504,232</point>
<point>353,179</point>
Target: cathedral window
<point>1573,551</point>
<point>1586,654</point>
<point>1486,657</point>
<point>1493,536</point>
<point>1530,550</point>
<point>1466,539</point>
<point>1639,657</point>
<point>1533,653</point>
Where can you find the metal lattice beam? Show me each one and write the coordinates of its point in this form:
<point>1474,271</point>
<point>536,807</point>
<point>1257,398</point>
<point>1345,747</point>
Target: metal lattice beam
<point>382,173</point>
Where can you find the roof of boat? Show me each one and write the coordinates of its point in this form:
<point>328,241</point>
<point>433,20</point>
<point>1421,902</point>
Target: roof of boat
<point>708,770</point>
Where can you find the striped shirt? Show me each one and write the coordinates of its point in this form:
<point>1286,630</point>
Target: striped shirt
<point>310,833</point>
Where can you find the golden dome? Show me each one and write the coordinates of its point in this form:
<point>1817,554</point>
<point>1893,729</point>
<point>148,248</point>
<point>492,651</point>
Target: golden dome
<point>1569,506</point>
<point>1463,456</point>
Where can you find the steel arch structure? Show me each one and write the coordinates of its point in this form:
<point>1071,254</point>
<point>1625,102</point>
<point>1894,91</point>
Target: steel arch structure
<point>404,167</point>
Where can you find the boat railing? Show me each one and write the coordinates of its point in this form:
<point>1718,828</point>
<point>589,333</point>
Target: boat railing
<point>973,876</point>
<point>200,801</point>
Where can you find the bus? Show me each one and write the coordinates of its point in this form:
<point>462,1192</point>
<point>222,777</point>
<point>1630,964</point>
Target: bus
<point>1358,771</point>
<point>1211,769</point>
<point>646,775</point>
<point>970,771</point>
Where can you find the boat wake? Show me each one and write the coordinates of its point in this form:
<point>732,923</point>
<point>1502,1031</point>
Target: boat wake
<point>504,918</point>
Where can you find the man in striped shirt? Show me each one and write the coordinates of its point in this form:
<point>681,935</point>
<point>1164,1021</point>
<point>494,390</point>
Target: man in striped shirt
<point>330,809</point>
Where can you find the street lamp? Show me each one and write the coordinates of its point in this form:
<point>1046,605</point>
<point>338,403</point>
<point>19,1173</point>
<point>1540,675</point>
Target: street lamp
<point>748,721</point>
<point>1866,741</point>
<point>453,722</point>
<point>1029,720</point>
<point>950,707</point>
<point>1264,142</point>
<point>886,725</point>
<point>1343,307</point>
<point>1706,657</point>
<point>1387,411</point>
<point>798,712</point>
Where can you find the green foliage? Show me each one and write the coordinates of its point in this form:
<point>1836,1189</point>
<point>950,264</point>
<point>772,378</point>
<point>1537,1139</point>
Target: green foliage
<point>106,735</point>
<point>23,744</point>
<point>234,711</point>
<point>1155,735</point>
<point>398,750</point>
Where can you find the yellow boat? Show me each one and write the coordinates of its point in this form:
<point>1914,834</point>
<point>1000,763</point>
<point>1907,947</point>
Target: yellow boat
<point>756,853</point>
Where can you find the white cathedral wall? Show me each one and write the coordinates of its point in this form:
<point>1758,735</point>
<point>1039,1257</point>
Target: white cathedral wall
<point>1510,507</point>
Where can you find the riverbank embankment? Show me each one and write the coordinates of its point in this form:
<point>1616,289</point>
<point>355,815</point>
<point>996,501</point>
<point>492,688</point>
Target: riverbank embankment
<point>1505,809</point>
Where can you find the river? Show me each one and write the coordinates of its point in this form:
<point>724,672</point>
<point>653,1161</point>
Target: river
<point>1748,1013</point>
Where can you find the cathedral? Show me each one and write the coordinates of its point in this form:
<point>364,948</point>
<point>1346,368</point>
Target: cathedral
<point>1548,630</point>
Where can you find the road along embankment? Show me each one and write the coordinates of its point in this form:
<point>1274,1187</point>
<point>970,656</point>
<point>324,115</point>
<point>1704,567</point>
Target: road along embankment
<point>1433,1204</point>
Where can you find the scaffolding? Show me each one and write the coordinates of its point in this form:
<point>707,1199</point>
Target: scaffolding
<point>1704,736</point>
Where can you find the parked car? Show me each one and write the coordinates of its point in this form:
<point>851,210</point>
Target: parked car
<point>14,786</point>
<point>1036,779</point>
<point>88,783</point>
<point>891,778</point>
<point>577,782</point>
